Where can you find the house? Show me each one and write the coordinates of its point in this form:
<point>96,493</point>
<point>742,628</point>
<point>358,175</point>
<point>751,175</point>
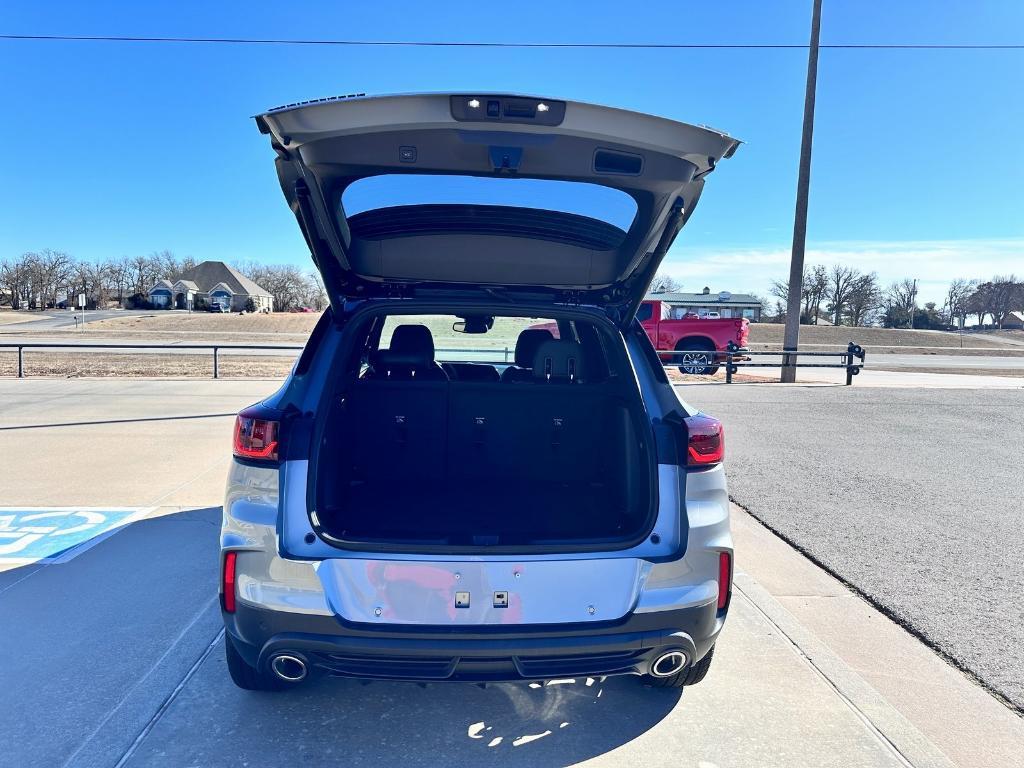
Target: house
<point>211,282</point>
<point>724,303</point>
<point>1013,321</point>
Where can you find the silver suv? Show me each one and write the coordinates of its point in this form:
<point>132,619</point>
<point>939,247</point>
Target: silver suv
<point>528,501</point>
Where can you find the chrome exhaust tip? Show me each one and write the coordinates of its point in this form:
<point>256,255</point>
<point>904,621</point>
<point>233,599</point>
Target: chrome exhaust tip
<point>289,668</point>
<point>667,664</point>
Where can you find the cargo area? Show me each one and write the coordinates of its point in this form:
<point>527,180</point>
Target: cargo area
<point>544,452</point>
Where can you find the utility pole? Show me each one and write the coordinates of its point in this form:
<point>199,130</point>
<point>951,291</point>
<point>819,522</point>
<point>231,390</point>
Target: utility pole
<point>913,303</point>
<point>791,339</point>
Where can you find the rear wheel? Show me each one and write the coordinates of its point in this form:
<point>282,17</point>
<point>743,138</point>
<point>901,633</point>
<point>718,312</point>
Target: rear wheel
<point>244,676</point>
<point>692,675</point>
<point>698,359</point>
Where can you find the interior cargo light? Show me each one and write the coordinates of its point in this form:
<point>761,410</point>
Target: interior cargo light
<point>474,103</point>
<point>542,107</point>
<point>705,441</point>
<point>228,581</point>
<point>255,438</point>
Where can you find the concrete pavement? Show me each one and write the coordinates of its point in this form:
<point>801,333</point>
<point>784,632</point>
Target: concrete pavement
<point>119,657</point>
<point>911,495</point>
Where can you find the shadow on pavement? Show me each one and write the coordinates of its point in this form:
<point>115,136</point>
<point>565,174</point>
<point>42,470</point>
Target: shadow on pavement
<point>344,722</point>
<point>103,638</point>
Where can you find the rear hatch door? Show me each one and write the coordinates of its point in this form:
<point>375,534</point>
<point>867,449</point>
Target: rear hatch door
<point>553,199</point>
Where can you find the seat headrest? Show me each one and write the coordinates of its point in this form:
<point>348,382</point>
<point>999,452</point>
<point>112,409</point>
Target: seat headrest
<point>411,346</point>
<point>528,343</point>
<point>559,360</point>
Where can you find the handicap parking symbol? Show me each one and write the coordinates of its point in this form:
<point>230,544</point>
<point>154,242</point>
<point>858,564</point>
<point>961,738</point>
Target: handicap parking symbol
<point>57,534</point>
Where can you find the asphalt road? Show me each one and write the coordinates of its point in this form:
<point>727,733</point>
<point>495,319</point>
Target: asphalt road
<point>913,496</point>
<point>63,318</point>
<point>113,654</point>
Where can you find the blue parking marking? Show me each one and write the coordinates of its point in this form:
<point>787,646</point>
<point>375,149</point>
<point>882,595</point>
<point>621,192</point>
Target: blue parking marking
<point>56,534</point>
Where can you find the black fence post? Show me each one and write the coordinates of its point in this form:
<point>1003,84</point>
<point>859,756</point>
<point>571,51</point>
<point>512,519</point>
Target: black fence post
<point>21,363</point>
<point>849,363</point>
<point>216,371</point>
<point>730,350</point>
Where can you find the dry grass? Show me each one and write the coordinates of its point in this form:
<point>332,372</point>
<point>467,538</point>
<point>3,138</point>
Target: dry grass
<point>207,323</point>
<point>9,317</point>
<point>73,364</point>
<point>770,334</point>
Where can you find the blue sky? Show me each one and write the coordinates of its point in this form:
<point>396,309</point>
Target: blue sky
<point>119,148</point>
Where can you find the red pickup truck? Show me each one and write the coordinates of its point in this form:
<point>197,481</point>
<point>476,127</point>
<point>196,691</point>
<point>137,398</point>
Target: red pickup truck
<point>703,340</point>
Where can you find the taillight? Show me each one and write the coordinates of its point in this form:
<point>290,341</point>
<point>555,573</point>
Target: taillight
<point>705,442</point>
<point>256,437</point>
<point>228,581</point>
<point>724,578</point>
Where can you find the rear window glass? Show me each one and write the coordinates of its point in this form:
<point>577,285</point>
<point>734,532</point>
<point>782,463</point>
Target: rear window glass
<point>593,200</point>
<point>497,345</point>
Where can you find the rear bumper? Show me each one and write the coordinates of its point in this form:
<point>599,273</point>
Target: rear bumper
<point>492,654</point>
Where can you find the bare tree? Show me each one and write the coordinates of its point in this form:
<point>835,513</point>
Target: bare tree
<point>317,297</point>
<point>1006,297</point>
<point>813,289</point>
<point>286,283</point>
<point>817,290</point>
<point>840,283</point>
<point>663,283</point>
<point>14,279</point>
<point>955,306</point>
<point>997,297</point>
<point>864,300</point>
<point>119,278</point>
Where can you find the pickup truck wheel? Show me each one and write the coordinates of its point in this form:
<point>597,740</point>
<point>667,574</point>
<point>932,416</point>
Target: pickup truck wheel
<point>699,359</point>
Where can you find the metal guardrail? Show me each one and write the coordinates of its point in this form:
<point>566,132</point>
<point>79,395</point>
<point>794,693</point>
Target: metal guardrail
<point>216,348</point>
<point>738,357</point>
<point>735,357</point>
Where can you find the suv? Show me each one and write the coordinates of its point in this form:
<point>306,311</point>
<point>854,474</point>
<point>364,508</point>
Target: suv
<point>406,512</point>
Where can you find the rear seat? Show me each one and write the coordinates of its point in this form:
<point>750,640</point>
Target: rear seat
<point>483,445</point>
<point>536,432</point>
<point>527,344</point>
<point>399,412</point>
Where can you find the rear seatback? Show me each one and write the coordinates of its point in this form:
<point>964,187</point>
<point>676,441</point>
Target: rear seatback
<point>551,430</point>
<point>398,415</point>
<point>401,430</point>
<point>486,446</point>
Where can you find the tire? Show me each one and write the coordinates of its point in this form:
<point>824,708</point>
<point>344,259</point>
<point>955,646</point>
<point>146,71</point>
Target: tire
<point>692,675</point>
<point>244,676</point>
<point>699,363</point>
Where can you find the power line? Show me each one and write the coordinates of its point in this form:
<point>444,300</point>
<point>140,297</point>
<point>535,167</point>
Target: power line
<point>496,44</point>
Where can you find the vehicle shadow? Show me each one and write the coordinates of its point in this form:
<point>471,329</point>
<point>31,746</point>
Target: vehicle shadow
<point>338,721</point>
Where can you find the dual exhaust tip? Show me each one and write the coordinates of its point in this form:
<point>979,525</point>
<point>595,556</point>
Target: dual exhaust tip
<point>291,669</point>
<point>669,663</point>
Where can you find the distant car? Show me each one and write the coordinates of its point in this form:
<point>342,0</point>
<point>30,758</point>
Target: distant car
<point>710,316</point>
<point>561,515</point>
<point>218,307</point>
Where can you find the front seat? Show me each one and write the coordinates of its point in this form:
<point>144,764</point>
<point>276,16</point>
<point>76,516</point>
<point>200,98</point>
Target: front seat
<point>410,357</point>
<point>527,344</point>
